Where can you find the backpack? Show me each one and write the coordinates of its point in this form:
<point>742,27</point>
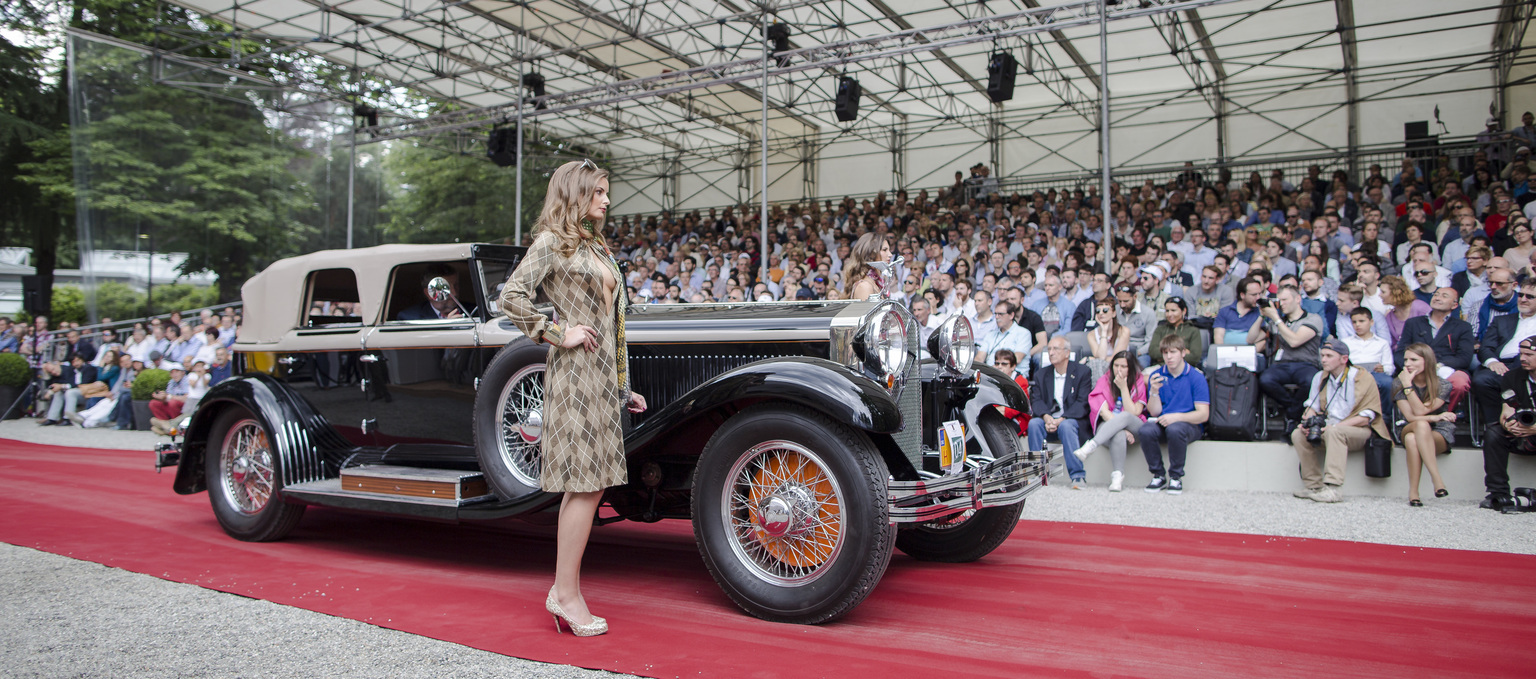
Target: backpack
<point>1234,404</point>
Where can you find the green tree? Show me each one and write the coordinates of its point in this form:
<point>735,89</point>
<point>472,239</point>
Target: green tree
<point>118,301</point>
<point>183,297</point>
<point>445,197</point>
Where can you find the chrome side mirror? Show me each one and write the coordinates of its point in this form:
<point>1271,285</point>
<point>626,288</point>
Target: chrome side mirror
<point>438,290</point>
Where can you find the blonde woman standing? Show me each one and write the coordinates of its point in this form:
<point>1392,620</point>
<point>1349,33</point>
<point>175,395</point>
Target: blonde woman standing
<point>585,380</point>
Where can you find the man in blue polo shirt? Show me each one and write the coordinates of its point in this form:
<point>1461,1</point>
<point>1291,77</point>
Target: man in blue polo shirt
<point>1178,404</point>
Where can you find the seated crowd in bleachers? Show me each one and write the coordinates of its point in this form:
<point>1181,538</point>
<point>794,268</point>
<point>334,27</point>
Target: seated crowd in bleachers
<point>87,379</point>
<point>1273,275</point>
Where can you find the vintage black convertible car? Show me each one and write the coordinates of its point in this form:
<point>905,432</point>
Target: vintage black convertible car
<point>805,440</point>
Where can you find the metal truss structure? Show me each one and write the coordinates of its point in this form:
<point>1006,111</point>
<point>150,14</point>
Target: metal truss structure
<point>690,105</point>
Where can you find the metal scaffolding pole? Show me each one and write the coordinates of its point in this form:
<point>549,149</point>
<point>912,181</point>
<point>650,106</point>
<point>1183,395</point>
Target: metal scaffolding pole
<point>351,178</point>
<point>517,202</point>
<point>1106,247</point>
<point>763,249</point>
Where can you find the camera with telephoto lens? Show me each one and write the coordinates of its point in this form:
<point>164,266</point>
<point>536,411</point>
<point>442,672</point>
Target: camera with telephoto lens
<point>1525,501</point>
<point>1314,427</point>
<point>1525,417</point>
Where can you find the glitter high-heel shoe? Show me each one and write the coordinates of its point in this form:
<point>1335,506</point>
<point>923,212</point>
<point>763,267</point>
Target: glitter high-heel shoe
<point>591,629</point>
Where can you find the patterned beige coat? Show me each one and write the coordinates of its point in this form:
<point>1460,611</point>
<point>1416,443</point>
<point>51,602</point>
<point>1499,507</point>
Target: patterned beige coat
<point>584,391</point>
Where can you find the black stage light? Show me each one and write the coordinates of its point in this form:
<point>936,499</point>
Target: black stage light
<point>503,146</point>
<point>848,91</point>
<point>778,34</point>
<point>365,111</point>
<point>535,82</point>
<point>1002,68</point>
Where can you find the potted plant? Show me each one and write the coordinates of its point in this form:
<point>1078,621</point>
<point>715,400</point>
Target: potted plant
<point>145,384</point>
<point>15,372</point>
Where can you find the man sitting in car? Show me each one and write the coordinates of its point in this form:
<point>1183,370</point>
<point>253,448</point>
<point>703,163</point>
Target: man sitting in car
<point>430,308</point>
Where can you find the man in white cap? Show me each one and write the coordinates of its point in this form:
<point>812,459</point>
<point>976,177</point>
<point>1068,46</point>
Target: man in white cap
<point>1522,158</point>
<point>1493,142</point>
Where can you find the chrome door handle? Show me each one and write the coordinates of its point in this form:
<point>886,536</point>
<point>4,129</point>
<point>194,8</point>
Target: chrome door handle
<point>287,360</point>
<point>368,358</point>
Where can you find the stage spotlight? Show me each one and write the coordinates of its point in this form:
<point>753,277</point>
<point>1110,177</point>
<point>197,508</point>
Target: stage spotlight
<point>1002,68</point>
<point>847,107</point>
<point>535,83</point>
<point>365,111</point>
<point>503,146</point>
<point>778,34</point>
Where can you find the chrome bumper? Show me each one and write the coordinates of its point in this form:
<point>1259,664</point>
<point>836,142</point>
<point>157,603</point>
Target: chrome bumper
<point>1004,481</point>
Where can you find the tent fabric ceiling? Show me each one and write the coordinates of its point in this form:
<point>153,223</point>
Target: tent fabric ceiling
<point>473,52</point>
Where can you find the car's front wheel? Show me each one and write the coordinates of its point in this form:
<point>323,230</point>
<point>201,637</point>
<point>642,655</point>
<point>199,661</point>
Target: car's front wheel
<point>790,514</point>
<point>974,533</point>
<point>244,473</point>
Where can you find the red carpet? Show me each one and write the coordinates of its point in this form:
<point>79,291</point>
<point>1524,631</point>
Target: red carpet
<point>1055,600</point>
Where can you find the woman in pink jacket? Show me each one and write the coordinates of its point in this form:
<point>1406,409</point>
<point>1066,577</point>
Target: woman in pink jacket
<point>1117,406</point>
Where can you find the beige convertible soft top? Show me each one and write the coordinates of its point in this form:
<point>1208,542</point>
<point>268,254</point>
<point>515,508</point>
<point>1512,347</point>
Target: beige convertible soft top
<point>274,298</point>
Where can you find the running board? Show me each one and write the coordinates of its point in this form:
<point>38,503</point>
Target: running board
<point>430,493</point>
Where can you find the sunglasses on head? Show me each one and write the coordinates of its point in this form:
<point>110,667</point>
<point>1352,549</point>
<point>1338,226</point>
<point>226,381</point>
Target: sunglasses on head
<point>587,164</point>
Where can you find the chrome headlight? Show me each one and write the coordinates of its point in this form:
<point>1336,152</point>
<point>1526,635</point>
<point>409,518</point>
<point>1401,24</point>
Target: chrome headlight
<point>885,345</point>
<point>953,344</point>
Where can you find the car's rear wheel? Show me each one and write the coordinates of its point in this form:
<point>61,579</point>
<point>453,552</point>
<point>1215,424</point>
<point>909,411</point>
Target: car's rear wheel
<point>509,408</point>
<point>790,514</point>
<point>244,474</point>
<point>971,534</point>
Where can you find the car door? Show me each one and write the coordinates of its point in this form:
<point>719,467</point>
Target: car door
<point>421,368</point>
<point>320,354</point>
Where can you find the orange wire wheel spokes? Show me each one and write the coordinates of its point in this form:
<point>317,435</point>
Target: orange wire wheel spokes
<point>786,513</point>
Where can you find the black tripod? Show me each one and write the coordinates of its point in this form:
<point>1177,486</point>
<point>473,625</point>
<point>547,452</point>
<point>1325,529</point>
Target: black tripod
<point>31,386</point>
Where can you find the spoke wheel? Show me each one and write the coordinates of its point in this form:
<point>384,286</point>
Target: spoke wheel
<point>786,513</point>
<point>244,472</point>
<point>509,419</point>
<point>521,406</point>
<point>246,467</point>
<point>790,513</point>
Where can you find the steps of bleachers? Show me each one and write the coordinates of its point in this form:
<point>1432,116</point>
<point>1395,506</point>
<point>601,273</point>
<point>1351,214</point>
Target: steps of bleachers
<point>1272,467</point>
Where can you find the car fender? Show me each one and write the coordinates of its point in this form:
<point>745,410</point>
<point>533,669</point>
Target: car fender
<point>299,433</point>
<point>834,390</point>
<point>993,388</point>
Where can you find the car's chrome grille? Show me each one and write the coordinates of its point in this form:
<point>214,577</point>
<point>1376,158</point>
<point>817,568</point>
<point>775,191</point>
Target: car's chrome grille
<point>910,438</point>
<point>663,378</point>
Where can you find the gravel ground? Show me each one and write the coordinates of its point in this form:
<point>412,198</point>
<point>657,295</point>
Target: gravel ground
<point>1449,523</point>
<point>69,618</point>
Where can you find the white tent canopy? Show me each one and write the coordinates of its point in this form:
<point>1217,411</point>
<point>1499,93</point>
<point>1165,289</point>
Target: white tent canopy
<point>666,91</point>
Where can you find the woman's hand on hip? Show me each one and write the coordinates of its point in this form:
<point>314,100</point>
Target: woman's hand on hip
<point>580,335</point>
<point>636,403</point>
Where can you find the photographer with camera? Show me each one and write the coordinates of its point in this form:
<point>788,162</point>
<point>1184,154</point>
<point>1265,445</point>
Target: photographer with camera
<point>1343,409</point>
<point>1515,432</point>
<point>1299,335</point>
<point>1500,351</point>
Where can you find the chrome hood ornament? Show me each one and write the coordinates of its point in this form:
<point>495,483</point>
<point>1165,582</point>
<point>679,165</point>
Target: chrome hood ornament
<point>884,273</point>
